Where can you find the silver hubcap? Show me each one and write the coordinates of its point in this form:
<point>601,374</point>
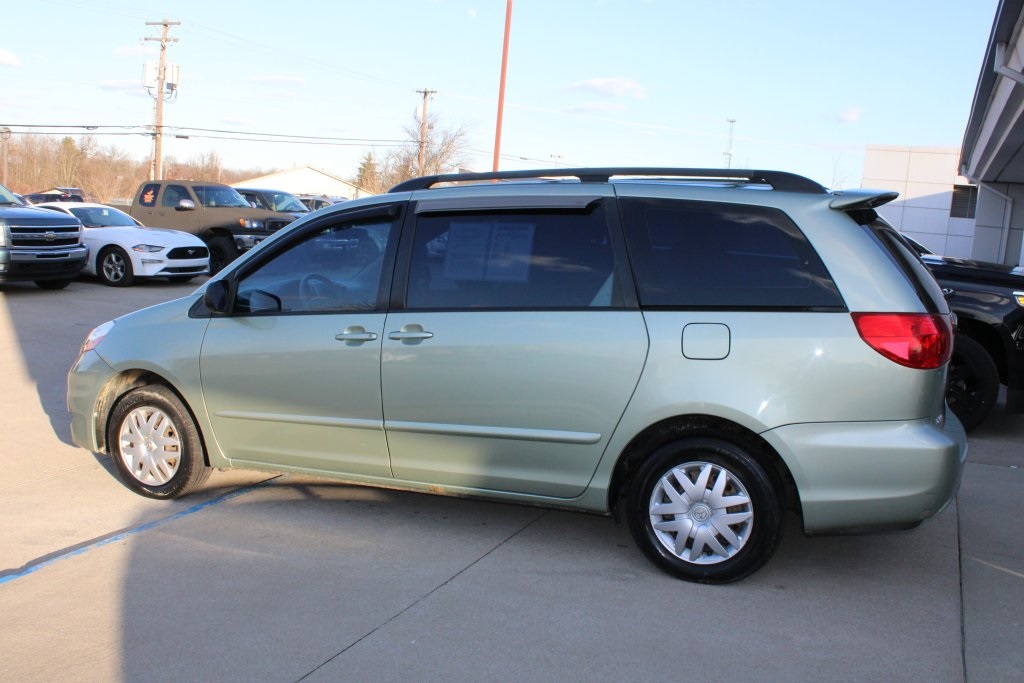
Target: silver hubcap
<point>701,513</point>
<point>150,445</point>
<point>113,267</point>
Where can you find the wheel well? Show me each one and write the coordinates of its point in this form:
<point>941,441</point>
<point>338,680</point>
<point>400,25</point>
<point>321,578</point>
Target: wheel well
<point>118,387</point>
<point>658,434</point>
<point>989,340</point>
<point>213,233</point>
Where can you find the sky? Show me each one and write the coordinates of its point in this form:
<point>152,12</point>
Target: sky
<point>806,84</point>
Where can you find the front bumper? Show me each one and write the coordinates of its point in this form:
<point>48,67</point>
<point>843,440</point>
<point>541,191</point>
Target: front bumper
<point>86,381</point>
<point>862,475</point>
<point>28,265</point>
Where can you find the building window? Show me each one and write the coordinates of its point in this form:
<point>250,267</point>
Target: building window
<point>965,201</point>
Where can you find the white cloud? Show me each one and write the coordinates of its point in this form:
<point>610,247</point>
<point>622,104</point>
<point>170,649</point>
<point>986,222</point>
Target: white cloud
<point>851,114</point>
<point>277,80</point>
<point>594,108</point>
<point>613,87</point>
<point>8,58</point>
<point>123,85</point>
<point>136,51</point>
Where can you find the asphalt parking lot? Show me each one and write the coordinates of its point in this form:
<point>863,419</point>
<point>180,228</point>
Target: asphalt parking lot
<point>285,578</point>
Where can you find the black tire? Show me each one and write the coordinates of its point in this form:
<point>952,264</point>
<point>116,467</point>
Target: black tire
<point>704,525</point>
<point>114,267</point>
<point>973,386</point>
<point>222,252</point>
<point>155,444</point>
<point>52,284</point>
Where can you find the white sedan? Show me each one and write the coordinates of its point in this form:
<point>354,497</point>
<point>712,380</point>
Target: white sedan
<point>122,249</point>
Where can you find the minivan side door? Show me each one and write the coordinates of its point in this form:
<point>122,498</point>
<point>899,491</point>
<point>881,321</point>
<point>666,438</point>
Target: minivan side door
<point>515,349</point>
<point>291,377</point>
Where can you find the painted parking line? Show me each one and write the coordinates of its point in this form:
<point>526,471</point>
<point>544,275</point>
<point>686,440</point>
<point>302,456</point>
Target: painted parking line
<point>33,566</point>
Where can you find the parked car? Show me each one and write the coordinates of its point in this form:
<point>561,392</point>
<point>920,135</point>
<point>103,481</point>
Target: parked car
<point>319,201</point>
<point>273,200</point>
<point>56,194</point>
<point>695,350</point>
<point>37,246</point>
<point>988,299</point>
<point>123,250</point>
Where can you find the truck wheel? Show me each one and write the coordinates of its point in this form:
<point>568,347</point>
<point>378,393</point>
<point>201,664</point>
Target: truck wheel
<point>52,284</point>
<point>973,382</point>
<point>114,267</point>
<point>222,252</point>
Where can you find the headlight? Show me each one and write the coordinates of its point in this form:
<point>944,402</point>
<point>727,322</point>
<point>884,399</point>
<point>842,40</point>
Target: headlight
<point>250,224</point>
<point>147,248</point>
<point>1019,296</point>
<point>3,234</point>
<point>96,336</point>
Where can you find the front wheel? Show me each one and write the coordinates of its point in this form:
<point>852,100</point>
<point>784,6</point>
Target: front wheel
<point>973,385</point>
<point>222,252</point>
<point>703,509</point>
<point>114,267</point>
<point>155,444</point>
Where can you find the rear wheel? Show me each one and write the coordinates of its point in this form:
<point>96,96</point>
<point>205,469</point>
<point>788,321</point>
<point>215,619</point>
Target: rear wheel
<point>703,509</point>
<point>155,444</point>
<point>973,382</point>
<point>114,267</point>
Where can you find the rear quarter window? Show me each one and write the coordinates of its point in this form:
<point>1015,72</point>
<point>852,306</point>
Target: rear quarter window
<point>713,255</point>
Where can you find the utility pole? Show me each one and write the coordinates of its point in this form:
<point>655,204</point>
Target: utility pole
<point>423,128</point>
<point>157,167</point>
<point>728,154</point>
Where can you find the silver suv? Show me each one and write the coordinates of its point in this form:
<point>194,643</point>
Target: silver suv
<point>697,350</point>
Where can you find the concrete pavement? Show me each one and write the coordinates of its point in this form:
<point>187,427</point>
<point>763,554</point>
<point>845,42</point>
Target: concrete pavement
<point>284,578</point>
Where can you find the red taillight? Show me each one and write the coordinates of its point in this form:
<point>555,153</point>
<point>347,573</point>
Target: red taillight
<point>916,340</point>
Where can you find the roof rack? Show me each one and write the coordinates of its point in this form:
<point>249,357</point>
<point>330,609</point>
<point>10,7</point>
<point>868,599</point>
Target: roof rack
<point>778,180</point>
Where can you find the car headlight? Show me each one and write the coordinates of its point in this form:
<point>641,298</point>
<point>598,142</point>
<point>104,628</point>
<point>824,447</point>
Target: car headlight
<point>147,248</point>
<point>96,336</point>
<point>3,234</point>
<point>250,224</point>
<point>1019,296</point>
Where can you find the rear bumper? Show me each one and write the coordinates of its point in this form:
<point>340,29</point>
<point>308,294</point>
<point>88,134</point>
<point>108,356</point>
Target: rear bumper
<point>854,476</point>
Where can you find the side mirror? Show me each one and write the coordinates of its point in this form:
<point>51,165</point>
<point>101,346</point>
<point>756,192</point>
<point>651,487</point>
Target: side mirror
<point>186,205</point>
<point>217,296</point>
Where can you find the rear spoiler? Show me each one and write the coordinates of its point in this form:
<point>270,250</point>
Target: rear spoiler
<point>850,200</point>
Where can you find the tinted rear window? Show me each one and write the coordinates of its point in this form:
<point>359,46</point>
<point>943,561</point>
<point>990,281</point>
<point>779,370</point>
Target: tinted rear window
<point>711,255</point>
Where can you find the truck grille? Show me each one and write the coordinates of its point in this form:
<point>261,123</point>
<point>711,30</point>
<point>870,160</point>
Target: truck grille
<point>56,236</point>
<point>273,225</point>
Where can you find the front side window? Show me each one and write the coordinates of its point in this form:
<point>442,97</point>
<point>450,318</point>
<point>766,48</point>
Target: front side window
<point>335,269</point>
<point>219,195</point>
<point>711,255</point>
<point>512,260</point>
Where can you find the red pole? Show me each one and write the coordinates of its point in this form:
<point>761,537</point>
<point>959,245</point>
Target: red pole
<point>501,88</point>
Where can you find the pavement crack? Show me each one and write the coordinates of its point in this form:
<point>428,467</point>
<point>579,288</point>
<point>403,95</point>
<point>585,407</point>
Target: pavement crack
<point>425,596</point>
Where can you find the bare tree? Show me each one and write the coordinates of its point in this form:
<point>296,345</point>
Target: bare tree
<point>444,152</point>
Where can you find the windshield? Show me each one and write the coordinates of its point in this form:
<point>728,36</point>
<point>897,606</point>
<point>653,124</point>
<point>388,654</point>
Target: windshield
<point>7,197</point>
<point>283,201</point>
<point>102,217</point>
<point>219,195</point>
